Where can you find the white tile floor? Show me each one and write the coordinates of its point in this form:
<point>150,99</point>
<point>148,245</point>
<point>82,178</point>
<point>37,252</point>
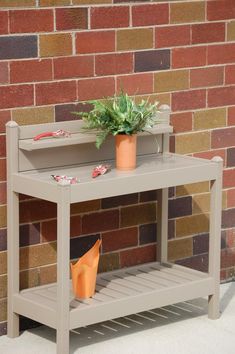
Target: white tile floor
<point>180,329</point>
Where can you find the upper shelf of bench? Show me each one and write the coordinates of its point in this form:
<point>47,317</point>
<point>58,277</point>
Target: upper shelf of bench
<point>78,138</point>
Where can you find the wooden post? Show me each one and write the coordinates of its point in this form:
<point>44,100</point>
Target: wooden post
<point>215,239</point>
<point>12,228</point>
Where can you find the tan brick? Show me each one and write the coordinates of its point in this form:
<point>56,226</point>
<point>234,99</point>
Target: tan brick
<point>191,225</point>
<point>33,115</point>
<point>108,262</point>
<point>54,2</point>
<point>193,188</point>
<point>91,2</point>
<point>85,207</point>
<point>231,31</point>
<point>171,81</point>
<point>178,249</point>
<point>3,310</point>
<point>135,39</point>
<point>138,214</point>
<point>3,262</point>
<point>55,45</point>
<point>35,256</point>
<point>201,203</point>
<point>29,278</point>
<point>48,274</point>
<point>193,142</point>
<point>187,12</point>
<point>3,286</point>
<point>3,216</point>
<point>210,119</point>
<point>17,3</point>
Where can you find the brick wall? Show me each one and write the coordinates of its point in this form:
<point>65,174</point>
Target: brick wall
<point>56,53</point>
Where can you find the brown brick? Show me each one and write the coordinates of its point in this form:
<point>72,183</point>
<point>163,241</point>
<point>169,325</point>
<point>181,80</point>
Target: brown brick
<point>56,92</point>
<point>135,84</point>
<point>17,3</point>
<point>29,21</point>
<point>47,274</point>
<point>222,96</point>
<point>3,239</point>
<point>2,146</point>
<point>53,2</point>
<point>29,234</point>
<point>139,214</point>
<point>64,112</point>
<point>211,153</point>
<point>109,64</point>
<point>4,73</point>
<point>213,76</point>
<point>118,239</point>
<point>220,10</point>
<point>223,138</point>
<point>37,115</point>
<point>73,67</point>
<point>229,178</point>
<point>138,255</point>
<point>36,210</point>
<point>188,100</point>
<point>91,2</point>
<point>114,202</point>
<point>3,262</point>
<point>3,286</point>
<point>230,74</point>
<point>96,88</point>
<point>5,116</point>
<point>29,278</point>
<point>172,36</point>
<point>3,310</point>
<point>152,60</point>
<point>2,169</point>
<point>16,96</point>
<point>199,262</point>
<point>231,157</point>
<point>210,119</point>
<point>80,245</point>
<point>187,12</point>
<point>30,70</point>
<point>191,225</point>
<point>95,42</point>
<point>108,262</point>
<point>231,115</point>
<point>208,32</point>
<point>102,221</point>
<point>71,18</point>
<point>147,233</point>
<point>134,39</point>
<point>201,203</point>
<point>49,229</point>
<point>85,207</point>
<point>231,31</point>
<point>3,216</point>
<point>227,258</point>
<point>148,196</point>
<point>35,256</point>
<point>109,17</point>
<point>200,244</point>
<point>17,47</point>
<point>192,142</point>
<point>182,122</point>
<point>178,249</point>
<point>231,198</point>
<point>55,44</point>
<point>180,207</point>
<point>189,57</point>
<point>171,81</point>
<point>4,22</point>
<point>147,15</point>
<point>221,53</point>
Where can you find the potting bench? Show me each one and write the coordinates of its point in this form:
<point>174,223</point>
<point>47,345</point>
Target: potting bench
<point>120,292</point>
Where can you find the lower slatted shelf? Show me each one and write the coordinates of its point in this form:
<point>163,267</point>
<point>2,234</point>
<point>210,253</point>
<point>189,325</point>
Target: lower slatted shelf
<point>118,293</point>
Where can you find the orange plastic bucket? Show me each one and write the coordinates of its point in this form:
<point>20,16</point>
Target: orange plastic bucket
<point>84,272</point>
<point>125,152</point>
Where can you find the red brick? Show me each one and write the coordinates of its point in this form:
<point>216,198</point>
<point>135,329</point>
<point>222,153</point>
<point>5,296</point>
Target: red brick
<point>2,146</point>
<point>109,64</point>
<point>231,115</point>
<point>186,57</point>
<point>207,77</point>
<point>95,88</point>
<point>16,96</point>
<point>135,84</point>
<point>5,116</point>
<point>182,122</point>
<point>56,92</point>
<point>231,198</point>
<point>208,32</point>
<point>118,239</point>
<point>230,75</point>
<point>28,21</point>
<point>4,73</point>
<point>229,178</point>
<point>147,15</point>
<point>73,67</point>
<point>221,138</point>
<point>30,70</point>
<point>49,229</point>
<point>3,193</point>
<point>3,22</point>
<point>210,154</point>
<point>71,18</point>
<point>101,221</point>
<point>138,255</point>
<point>188,100</point>
<point>36,210</point>
<point>172,36</point>
<point>95,42</point>
<point>3,170</point>
<point>222,96</point>
<point>220,10</point>
<point>220,54</point>
<point>110,17</point>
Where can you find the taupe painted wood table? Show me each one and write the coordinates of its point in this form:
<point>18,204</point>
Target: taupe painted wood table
<point>120,292</point>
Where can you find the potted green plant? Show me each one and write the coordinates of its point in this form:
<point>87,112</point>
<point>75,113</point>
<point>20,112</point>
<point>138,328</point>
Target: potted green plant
<point>122,117</point>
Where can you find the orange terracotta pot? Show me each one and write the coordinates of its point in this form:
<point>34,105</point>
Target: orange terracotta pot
<point>126,152</point>
<point>84,273</point>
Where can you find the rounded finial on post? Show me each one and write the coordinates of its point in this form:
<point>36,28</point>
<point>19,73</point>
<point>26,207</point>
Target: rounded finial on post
<point>217,159</point>
<point>11,124</point>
